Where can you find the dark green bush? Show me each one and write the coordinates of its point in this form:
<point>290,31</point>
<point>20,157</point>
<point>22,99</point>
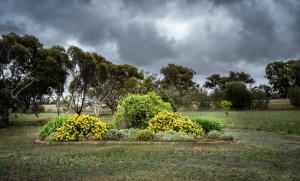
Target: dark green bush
<point>168,99</point>
<point>113,134</point>
<point>238,94</point>
<point>135,110</point>
<point>294,96</point>
<point>51,127</point>
<point>208,125</point>
<point>145,135</point>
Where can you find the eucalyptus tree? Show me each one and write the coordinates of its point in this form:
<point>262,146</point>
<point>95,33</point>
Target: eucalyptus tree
<point>26,73</point>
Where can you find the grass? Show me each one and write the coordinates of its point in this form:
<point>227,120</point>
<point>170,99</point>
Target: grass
<point>273,121</point>
<point>257,156</point>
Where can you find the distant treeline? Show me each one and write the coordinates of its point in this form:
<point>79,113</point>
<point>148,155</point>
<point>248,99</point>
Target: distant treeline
<point>31,75</point>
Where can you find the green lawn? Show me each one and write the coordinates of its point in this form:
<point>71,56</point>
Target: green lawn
<point>273,121</point>
<point>255,156</point>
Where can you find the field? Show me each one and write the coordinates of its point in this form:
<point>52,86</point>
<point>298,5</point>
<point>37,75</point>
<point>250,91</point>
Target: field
<point>254,155</point>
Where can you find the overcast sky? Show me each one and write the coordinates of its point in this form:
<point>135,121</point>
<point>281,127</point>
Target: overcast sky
<point>211,36</point>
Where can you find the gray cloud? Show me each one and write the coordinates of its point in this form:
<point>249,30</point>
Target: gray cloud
<point>212,36</point>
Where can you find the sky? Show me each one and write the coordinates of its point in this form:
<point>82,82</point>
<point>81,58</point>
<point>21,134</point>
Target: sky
<point>210,36</point>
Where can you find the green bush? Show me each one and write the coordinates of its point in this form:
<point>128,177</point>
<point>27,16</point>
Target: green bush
<point>113,134</point>
<point>238,94</point>
<point>166,120</point>
<point>135,110</point>
<point>52,126</point>
<point>214,134</point>
<point>226,105</point>
<point>172,135</point>
<point>208,125</point>
<point>294,96</point>
<point>145,135</point>
<point>168,99</point>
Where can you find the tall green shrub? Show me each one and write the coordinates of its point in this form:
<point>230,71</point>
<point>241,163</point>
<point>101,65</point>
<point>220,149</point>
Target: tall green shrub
<point>238,94</point>
<point>135,110</point>
<point>294,96</point>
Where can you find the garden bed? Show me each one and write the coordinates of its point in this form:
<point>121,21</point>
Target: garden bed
<point>196,142</point>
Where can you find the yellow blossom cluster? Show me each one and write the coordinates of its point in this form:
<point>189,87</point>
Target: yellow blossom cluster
<point>79,128</point>
<point>165,121</point>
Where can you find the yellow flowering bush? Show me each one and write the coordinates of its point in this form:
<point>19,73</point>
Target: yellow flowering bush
<point>165,121</point>
<point>79,128</point>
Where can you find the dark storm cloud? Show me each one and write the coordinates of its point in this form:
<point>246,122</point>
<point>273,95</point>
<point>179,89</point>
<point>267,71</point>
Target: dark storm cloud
<point>142,42</point>
<point>212,36</point>
<point>10,26</point>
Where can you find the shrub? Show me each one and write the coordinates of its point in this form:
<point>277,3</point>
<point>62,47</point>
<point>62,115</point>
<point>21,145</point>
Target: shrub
<point>294,96</point>
<point>79,128</point>
<point>135,111</point>
<point>208,125</point>
<point>226,105</point>
<point>238,94</point>
<point>220,136</point>
<point>129,134</point>
<point>172,135</point>
<point>166,120</point>
<point>113,134</point>
<point>145,135</point>
<point>51,127</point>
<point>168,99</point>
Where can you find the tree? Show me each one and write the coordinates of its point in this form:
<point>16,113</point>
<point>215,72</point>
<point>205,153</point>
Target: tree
<point>238,94</point>
<point>83,71</point>
<point>102,86</point>
<point>178,77</point>
<point>148,84</point>
<point>60,64</point>
<point>277,73</point>
<point>25,73</point>
<point>216,81</point>
<point>124,80</point>
<point>283,75</point>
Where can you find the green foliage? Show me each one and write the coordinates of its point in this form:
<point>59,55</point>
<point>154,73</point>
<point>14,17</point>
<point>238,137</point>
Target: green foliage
<point>225,105</point>
<point>178,77</point>
<point>145,135</point>
<point>216,81</point>
<point>129,134</point>
<point>294,96</point>
<point>135,110</point>
<point>113,134</point>
<point>52,126</point>
<point>283,75</point>
<point>238,94</point>
<point>165,121</point>
<point>168,99</point>
<point>208,125</point>
<point>214,134</point>
<point>29,71</point>
<point>172,135</point>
